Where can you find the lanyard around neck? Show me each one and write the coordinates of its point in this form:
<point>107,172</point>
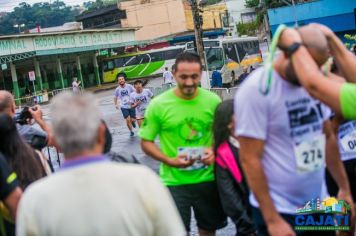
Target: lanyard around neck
<point>269,63</point>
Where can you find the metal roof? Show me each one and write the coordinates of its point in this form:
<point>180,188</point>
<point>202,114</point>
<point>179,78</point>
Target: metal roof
<point>67,32</point>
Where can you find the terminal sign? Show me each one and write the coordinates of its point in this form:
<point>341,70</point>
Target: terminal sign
<point>49,44</point>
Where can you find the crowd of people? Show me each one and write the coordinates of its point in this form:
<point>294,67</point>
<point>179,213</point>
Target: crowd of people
<point>286,138</point>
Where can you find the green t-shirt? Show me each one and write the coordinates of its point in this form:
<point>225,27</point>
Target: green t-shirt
<point>181,123</point>
<point>348,101</point>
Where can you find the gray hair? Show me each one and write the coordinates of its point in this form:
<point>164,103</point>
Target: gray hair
<point>6,100</point>
<point>75,122</point>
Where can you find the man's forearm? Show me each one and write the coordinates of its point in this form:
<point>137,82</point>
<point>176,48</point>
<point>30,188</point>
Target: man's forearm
<point>150,148</point>
<point>345,60</point>
<point>115,101</point>
<point>258,184</point>
<point>319,86</point>
<point>45,127</point>
<point>334,163</point>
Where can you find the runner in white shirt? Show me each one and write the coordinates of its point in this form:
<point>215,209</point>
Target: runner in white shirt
<point>140,100</point>
<point>122,93</point>
<point>168,77</point>
<point>285,141</point>
<point>346,133</point>
<point>75,85</point>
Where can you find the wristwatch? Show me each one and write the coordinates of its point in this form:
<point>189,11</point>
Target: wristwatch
<point>292,48</point>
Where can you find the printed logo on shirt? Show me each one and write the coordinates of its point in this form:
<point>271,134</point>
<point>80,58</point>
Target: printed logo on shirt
<point>329,214</point>
<point>143,99</point>
<point>192,130</point>
<point>305,116</point>
<point>124,93</point>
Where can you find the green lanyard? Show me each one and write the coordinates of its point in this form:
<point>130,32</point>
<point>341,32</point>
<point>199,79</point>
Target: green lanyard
<point>269,63</point>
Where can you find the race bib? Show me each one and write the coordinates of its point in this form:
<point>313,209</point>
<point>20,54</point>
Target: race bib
<point>310,154</point>
<point>348,142</point>
<point>193,153</point>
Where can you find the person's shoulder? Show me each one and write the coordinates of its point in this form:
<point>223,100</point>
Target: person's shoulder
<point>211,96</point>
<point>256,80</point>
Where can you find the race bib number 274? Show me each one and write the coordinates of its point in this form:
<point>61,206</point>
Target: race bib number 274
<point>310,154</point>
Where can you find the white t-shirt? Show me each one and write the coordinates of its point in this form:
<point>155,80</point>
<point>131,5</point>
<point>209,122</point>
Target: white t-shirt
<point>347,140</point>
<point>123,94</point>
<point>284,118</point>
<point>75,86</point>
<point>168,77</point>
<point>99,199</point>
<point>145,97</point>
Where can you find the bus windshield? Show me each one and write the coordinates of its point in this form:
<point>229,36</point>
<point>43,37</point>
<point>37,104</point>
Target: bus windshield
<point>214,57</point>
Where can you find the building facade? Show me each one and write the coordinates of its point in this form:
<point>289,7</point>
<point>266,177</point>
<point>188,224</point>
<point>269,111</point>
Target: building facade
<point>339,15</point>
<point>56,58</point>
<point>164,18</point>
<point>106,17</point>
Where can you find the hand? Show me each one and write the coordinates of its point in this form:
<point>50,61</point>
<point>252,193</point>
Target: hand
<point>180,161</point>
<point>280,227</point>
<point>117,107</point>
<point>288,37</point>
<point>346,196</point>
<point>138,102</point>
<point>209,157</point>
<point>36,113</point>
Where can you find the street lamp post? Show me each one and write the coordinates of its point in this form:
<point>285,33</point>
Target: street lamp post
<point>19,27</point>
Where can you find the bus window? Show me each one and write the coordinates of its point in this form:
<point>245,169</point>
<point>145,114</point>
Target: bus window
<point>251,47</point>
<point>156,56</point>
<point>230,52</point>
<point>215,58</point>
<point>171,54</point>
<point>120,62</point>
<point>241,50</point>
<point>131,61</point>
<point>109,65</point>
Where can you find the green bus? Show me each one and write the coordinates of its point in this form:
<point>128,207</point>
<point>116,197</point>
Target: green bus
<point>140,64</point>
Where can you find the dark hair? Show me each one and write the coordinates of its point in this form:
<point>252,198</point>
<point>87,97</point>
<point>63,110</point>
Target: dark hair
<point>122,74</point>
<point>138,82</point>
<point>191,57</point>
<point>222,118</point>
<point>20,156</point>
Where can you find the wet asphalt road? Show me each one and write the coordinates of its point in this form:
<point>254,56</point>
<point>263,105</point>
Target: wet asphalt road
<point>126,145</point>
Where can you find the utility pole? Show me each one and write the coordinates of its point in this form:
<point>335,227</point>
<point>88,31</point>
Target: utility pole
<point>198,30</point>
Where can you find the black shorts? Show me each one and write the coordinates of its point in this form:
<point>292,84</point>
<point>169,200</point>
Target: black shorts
<point>350,167</point>
<point>204,199</point>
<point>126,112</point>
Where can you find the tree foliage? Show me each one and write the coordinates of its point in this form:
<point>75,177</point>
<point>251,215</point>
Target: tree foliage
<point>44,13</point>
<point>252,3</point>
<point>266,3</point>
<point>98,4</point>
<point>247,28</point>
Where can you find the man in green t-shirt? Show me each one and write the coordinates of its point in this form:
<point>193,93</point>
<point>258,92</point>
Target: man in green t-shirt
<point>182,118</point>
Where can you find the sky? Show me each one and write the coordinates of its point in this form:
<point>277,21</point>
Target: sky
<point>9,5</point>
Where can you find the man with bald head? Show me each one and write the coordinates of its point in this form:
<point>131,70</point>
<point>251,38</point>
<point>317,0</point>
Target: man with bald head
<point>35,137</point>
<point>285,141</point>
